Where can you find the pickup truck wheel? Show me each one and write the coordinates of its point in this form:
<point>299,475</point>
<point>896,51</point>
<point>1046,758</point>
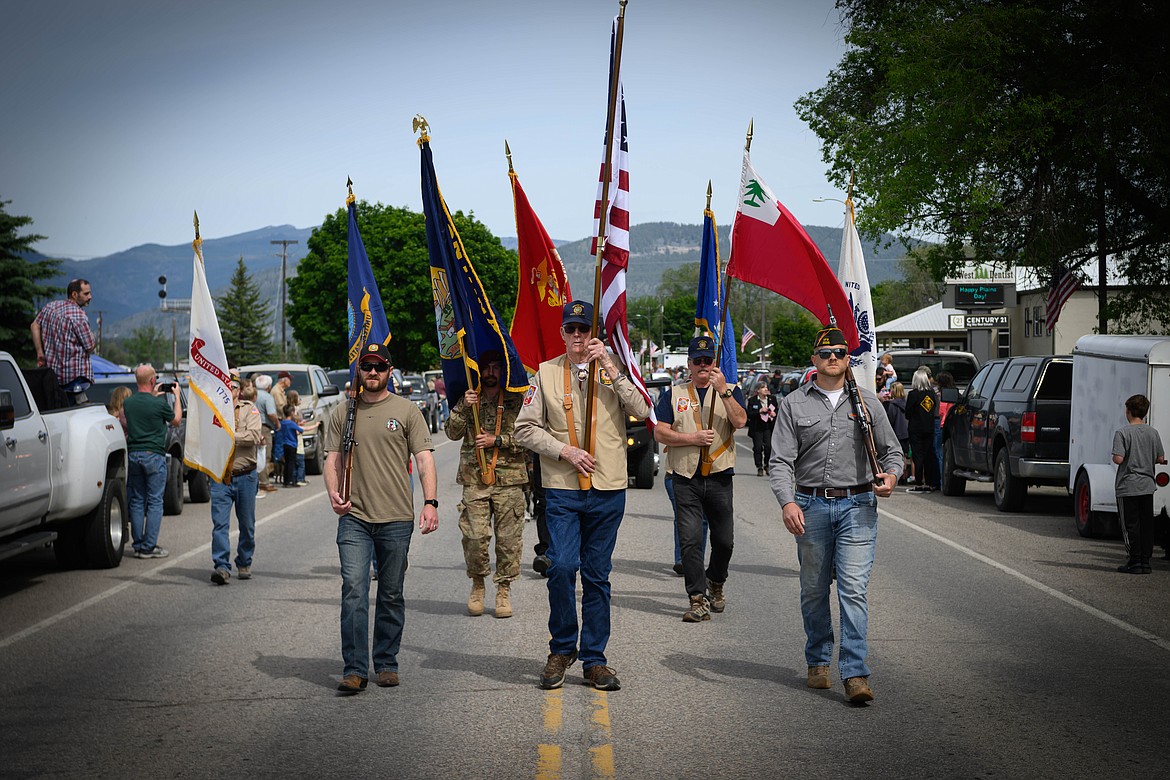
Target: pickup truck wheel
<point>1009,491</point>
<point>644,478</point>
<point>105,528</point>
<point>1088,522</point>
<point>314,463</point>
<point>952,483</point>
<point>199,486</point>
<point>173,492</point>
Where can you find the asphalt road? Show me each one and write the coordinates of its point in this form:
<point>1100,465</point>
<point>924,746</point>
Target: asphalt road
<point>1003,645</point>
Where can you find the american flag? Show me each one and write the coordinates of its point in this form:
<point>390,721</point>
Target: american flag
<point>1064,286</point>
<point>748,335</point>
<point>616,253</point>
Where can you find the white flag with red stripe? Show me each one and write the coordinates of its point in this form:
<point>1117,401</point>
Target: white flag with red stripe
<point>616,252</point>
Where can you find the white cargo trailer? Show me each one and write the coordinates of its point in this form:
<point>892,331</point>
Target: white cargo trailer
<point>1106,371</point>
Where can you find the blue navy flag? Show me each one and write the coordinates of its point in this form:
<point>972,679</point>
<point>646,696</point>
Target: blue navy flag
<point>709,300</point>
<point>367,319</point>
<point>466,322</point>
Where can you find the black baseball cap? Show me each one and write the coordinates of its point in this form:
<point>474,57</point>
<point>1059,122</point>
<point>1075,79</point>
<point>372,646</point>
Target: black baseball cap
<point>579,312</point>
<point>375,352</point>
<point>701,346</point>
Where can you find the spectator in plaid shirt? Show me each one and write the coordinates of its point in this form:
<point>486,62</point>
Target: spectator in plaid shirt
<point>64,341</point>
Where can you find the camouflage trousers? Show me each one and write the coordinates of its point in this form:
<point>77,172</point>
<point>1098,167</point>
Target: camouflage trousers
<point>480,504</point>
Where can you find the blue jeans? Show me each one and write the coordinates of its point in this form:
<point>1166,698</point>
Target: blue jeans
<point>242,493</point>
<point>582,527</point>
<point>938,446</point>
<point>668,482</point>
<point>839,533</point>
<point>361,545</point>
<point>146,479</point>
<point>300,473</point>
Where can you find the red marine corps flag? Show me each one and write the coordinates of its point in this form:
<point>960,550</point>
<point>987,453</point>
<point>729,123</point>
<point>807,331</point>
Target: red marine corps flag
<point>211,414</point>
<point>544,287</point>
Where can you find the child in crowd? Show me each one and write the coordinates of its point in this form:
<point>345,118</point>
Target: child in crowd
<point>1136,448</point>
<point>289,433</point>
<point>294,398</point>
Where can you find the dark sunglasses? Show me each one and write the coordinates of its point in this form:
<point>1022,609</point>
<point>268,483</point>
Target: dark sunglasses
<point>704,361</point>
<point>374,368</point>
<point>838,352</point>
<point>570,329</point>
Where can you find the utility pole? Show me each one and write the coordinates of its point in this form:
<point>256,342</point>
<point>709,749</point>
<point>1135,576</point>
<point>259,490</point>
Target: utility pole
<point>284,242</point>
<point>99,336</point>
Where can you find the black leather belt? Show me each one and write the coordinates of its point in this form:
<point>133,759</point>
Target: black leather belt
<point>833,492</point>
<point>243,471</point>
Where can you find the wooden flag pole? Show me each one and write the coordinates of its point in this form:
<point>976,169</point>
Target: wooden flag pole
<point>602,224</point>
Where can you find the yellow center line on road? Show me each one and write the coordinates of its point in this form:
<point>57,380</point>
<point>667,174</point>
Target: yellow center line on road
<point>548,755</point>
<point>601,753</point>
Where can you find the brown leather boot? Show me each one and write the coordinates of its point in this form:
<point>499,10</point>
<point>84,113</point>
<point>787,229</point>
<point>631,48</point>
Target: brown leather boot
<point>475,600</point>
<point>503,601</point>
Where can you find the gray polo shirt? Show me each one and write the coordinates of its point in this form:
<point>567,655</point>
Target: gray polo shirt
<point>1141,446</point>
<point>816,445</point>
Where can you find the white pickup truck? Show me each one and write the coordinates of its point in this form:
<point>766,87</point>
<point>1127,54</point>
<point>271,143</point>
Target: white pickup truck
<point>62,477</point>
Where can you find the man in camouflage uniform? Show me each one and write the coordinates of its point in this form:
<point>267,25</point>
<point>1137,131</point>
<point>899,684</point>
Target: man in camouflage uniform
<point>485,497</point>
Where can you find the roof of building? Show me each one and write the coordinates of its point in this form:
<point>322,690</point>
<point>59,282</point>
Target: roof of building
<point>932,319</point>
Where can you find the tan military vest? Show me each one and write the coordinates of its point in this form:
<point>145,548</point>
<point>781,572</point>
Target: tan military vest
<point>609,449</point>
<point>684,460</point>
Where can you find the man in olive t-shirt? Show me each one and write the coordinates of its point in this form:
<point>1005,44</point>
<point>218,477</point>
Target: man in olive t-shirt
<point>147,416</point>
<point>375,520</point>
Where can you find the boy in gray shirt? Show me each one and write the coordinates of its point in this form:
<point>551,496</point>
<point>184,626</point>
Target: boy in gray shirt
<point>1136,448</point>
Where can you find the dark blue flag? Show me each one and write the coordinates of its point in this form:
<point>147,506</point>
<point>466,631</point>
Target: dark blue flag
<point>709,300</point>
<point>367,319</point>
<point>466,322</point>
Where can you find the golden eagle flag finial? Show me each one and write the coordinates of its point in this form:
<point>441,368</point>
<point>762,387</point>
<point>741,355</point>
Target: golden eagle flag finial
<point>420,125</point>
<point>198,242</point>
<point>349,199</point>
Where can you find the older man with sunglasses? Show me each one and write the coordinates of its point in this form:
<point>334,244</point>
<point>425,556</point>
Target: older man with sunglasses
<point>582,524</point>
<point>375,520</point>
<point>702,460</point>
<point>822,477</point>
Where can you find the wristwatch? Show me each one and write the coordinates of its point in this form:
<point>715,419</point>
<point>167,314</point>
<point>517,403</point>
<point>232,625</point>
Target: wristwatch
<point>433,502</point>
<point>727,393</point>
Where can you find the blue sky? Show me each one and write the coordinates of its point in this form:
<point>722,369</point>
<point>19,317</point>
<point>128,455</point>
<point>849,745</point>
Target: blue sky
<point>124,116</point>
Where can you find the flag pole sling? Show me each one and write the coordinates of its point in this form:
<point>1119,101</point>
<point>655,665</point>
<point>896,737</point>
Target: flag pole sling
<point>859,411</point>
<point>602,224</point>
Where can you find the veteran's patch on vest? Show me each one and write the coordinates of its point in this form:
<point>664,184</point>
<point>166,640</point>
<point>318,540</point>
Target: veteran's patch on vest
<point>682,405</point>
<point>393,424</point>
<point>604,377</point>
<point>530,395</point>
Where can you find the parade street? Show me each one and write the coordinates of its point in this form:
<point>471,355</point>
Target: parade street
<point>1002,645</point>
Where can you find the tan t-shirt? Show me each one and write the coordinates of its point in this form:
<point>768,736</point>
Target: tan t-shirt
<point>387,434</point>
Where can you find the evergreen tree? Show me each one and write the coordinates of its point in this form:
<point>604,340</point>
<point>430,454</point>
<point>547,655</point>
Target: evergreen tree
<point>148,344</point>
<point>22,288</point>
<point>243,320</point>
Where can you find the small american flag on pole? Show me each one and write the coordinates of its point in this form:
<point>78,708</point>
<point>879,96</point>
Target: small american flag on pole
<point>616,253</point>
<point>1064,285</point>
<point>748,335</point>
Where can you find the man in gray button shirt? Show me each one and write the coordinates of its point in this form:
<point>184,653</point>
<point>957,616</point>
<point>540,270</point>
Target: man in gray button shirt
<point>822,477</point>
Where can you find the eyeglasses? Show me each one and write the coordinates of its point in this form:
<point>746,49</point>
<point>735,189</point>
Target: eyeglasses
<point>571,329</point>
<point>374,368</point>
<point>838,352</point>
<point>703,361</point>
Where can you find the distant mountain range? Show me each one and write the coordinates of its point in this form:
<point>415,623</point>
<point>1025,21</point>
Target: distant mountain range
<point>125,284</point>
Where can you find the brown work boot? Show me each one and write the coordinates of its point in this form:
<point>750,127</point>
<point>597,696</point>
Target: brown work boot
<point>352,683</point>
<point>475,600</point>
<point>503,601</point>
<point>818,677</point>
<point>553,675</point>
<point>717,600</point>
<point>857,690</point>
<point>603,678</point>
<point>387,679</point>
<point>700,609</point>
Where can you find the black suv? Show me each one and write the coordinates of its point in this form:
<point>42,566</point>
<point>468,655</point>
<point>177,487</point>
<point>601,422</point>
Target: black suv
<point>198,483</point>
<point>1010,427</point>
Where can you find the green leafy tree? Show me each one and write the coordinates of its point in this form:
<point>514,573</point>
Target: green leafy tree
<point>1020,132</point>
<point>792,338</point>
<point>22,286</point>
<point>917,289</point>
<point>148,344</point>
<point>243,320</point>
<point>395,241</point>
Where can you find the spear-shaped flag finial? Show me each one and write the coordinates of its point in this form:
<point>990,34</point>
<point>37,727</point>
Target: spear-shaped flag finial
<point>708,194</point>
<point>751,124</point>
<point>508,154</point>
<point>349,199</point>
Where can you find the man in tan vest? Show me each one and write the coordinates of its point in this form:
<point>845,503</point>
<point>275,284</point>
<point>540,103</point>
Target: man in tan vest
<point>582,522</point>
<point>699,426</point>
